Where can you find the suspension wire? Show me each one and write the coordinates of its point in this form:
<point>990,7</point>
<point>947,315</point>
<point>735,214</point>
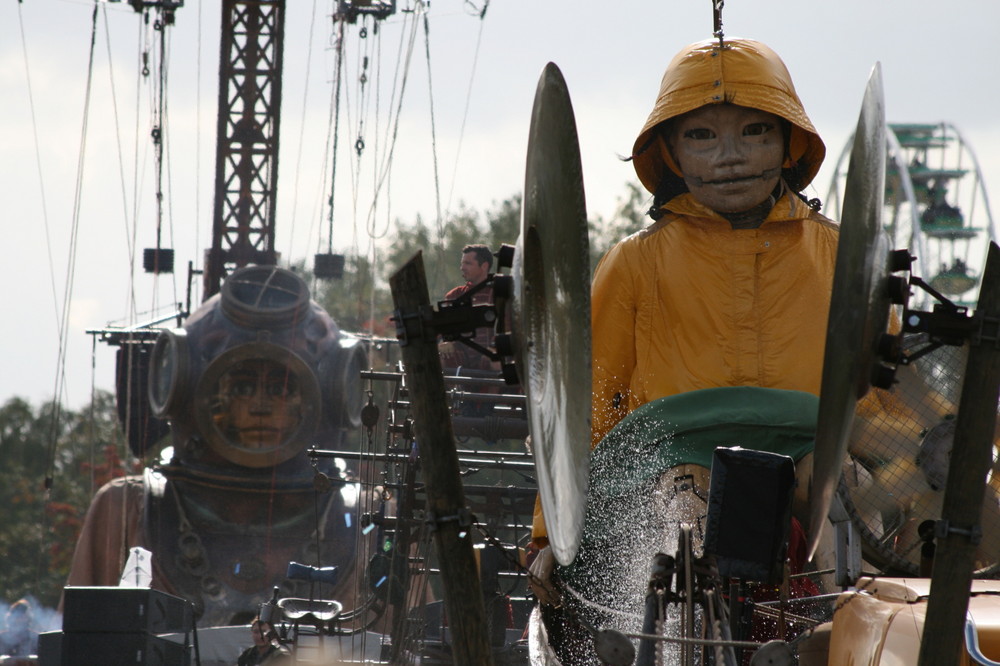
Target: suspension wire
<point>138,145</point>
<point>465,112</point>
<point>158,128</point>
<point>398,74</point>
<point>364,90</point>
<point>434,155</point>
<point>93,396</point>
<point>197,143</point>
<point>302,128</point>
<point>386,166</point>
<point>339,74</point>
<point>60,381</point>
<point>165,137</point>
<point>43,520</point>
<point>373,52</point>
<point>130,242</point>
<point>38,166</point>
<point>378,150</point>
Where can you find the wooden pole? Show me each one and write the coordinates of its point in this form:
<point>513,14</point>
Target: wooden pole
<point>446,508</point>
<point>971,457</point>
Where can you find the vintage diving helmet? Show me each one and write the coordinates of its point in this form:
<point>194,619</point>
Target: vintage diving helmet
<point>257,374</point>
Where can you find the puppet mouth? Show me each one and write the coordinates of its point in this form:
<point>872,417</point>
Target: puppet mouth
<point>733,181</point>
<point>737,179</point>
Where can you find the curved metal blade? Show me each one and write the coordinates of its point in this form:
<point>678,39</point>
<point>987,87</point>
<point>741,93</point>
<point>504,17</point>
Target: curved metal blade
<point>859,304</point>
<point>552,313</point>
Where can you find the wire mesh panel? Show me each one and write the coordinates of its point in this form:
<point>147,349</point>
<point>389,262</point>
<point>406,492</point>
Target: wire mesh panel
<point>900,452</point>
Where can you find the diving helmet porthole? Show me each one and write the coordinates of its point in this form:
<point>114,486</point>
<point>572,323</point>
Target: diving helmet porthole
<point>257,405</point>
<point>168,372</point>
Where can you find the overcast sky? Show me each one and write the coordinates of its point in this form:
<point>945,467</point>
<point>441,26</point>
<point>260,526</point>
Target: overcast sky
<point>939,60</point>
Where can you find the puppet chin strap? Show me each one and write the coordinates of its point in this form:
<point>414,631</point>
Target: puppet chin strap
<point>754,217</point>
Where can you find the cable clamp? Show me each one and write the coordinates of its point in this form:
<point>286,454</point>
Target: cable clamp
<point>463,517</point>
<point>987,332</point>
<point>943,528</point>
<point>414,326</point>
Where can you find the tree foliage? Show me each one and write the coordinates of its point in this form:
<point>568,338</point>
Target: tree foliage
<point>361,300</point>
<point>628,218</point>
<point>53,462</point>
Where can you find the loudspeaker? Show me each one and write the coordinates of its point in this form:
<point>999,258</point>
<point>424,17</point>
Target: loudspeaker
<point>121,649</point>
<point>50,648</point>
<point>124,609</point>
<point>750,513</point>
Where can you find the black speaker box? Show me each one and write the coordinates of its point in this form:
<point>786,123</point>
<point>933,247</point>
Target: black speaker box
<point>124,609</point>
<point>121,649</point>
<point>750,513</point>
<point>50,648</point>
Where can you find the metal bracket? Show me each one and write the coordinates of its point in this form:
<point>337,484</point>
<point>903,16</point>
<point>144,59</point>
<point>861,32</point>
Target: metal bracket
<point>987,332</point>
<point>463,518</point>
<point>943,528</point>
<point>414,326</point>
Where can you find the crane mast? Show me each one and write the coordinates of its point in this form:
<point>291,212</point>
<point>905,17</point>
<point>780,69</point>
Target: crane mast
<point>246,164</point>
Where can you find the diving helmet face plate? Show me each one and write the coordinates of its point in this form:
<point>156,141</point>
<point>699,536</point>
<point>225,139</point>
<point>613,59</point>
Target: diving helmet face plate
<point>257,405</point>
<point>168,372</point>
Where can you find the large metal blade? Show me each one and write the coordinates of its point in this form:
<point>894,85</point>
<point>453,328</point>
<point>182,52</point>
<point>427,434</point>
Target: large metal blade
<point>552,313</point>
<point>859,305</point>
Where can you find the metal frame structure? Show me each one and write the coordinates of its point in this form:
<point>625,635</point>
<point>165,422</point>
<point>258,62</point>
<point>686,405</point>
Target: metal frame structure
<point>246,172</point>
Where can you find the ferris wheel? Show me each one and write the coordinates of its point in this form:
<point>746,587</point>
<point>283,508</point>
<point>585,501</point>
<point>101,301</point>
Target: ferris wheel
<point>936,205</point>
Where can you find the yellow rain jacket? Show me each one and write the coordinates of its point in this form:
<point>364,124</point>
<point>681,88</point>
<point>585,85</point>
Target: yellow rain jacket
<point>690,303</point>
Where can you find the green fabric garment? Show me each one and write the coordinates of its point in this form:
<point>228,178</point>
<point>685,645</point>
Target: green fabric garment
<point>622,529</point>
<point>687,428</point>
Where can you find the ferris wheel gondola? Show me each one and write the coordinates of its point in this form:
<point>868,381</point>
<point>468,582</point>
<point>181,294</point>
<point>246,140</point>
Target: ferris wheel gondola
<point>901,442</point>
<point>936,204</point>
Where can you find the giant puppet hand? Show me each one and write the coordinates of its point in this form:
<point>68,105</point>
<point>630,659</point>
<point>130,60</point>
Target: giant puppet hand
<point>540,578</point>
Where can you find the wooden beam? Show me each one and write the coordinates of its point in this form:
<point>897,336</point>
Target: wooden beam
<point>971,457</point>
<point>446,507</point>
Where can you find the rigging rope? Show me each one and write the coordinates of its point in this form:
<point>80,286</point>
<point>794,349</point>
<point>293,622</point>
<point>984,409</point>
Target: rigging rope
<point>386,167</point>
<point>165,137</point>
<point>130,242</point>
<point>338,73</point>
<point>197,143</point>
<point>43,517</point>
<point>302,129</point>
<point>60,381</point>
<point>465,112</point>
<point>434,157</point>
<point>38,164</point>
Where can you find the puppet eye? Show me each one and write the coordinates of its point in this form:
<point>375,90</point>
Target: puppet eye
<point>757,129</point>
<point>699,134</point>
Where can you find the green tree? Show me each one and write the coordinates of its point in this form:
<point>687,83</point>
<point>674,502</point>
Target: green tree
<point>629,217</point>
<point>361,301</point>
<point>53,461</point>
<point>442,247</point>
<point>358,302</point>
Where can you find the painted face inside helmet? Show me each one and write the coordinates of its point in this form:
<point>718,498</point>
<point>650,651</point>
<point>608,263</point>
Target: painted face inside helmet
<point>260,404</point>
<point>729,156</point>
<point>257,405</point>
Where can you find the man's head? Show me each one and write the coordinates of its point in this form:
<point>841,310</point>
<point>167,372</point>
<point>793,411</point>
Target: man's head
<point>743,74</point>
<point>260,630</point>
<point>476,263</point>
<point>19,617</point>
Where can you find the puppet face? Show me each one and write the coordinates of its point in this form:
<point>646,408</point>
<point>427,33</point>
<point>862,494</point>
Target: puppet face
<point>730,156</point>
<point>264,403</point>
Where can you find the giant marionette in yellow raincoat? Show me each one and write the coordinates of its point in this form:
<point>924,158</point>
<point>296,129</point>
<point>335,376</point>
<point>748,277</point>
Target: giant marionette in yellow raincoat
<point>730,285</point>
